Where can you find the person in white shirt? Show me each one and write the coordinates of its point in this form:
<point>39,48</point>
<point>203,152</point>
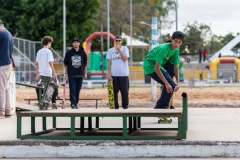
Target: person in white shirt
<point>119,71</point>
<point>44,65</point>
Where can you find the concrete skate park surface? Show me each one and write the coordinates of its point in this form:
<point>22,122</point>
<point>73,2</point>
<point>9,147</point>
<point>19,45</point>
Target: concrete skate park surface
<point>212,133</point>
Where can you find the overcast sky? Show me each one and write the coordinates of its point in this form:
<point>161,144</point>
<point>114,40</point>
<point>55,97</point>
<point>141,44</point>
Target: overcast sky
<point>223,16</point>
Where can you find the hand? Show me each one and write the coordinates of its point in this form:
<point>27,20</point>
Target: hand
<point>66,76</point>
<point>85,76</point>
<point>168,88</point>
<point>54,75</point>
<point>176,87</point>
<point>118,47</point>
<point>37,77</point>
<point>109,77</point>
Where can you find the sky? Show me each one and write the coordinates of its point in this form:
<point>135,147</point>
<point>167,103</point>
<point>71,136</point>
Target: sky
<point>223,16</point>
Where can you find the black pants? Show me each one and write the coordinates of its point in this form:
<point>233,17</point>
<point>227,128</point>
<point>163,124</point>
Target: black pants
<point>122,84</point>
<point>55,94</point>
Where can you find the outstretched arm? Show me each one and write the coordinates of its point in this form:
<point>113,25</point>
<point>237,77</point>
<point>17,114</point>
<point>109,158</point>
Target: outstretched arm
<point>160,75</point>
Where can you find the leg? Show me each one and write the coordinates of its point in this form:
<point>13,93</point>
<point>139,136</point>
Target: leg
<point>72,87</point>
<point>116,90</point>
<point>124,89</point>
<point>79,81</point>
<point>5,72</point>
<point>163,101</point>
<point>46,81</point>
<point>54,95</point>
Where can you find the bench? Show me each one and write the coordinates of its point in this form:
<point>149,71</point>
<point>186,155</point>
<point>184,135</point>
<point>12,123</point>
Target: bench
<point>90,82</point>
<point>96,99</point>
<point>131,127</point>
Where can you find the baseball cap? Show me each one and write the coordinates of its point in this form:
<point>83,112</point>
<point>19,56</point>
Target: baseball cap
<point>75,39</point>
<point>118,37</point>
<point>1,22</point>
<point>178,34</point>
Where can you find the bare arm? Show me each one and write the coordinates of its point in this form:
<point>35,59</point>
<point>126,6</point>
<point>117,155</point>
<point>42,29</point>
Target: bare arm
<point>52,67</point>
<point>37,70</point>
<point>176,73</point>
<point>160,75</point>
<point>125,58</point>
<point>109,70</point>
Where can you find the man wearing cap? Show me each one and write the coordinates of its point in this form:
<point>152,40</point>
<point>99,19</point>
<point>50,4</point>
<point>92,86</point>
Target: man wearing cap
<point>75,62</point>
<point>153,66</point>
<point>6,49</point>
<point>118,71</point>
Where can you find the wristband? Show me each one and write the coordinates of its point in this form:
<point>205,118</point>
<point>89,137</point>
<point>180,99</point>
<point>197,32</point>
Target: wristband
<point>65,73</point>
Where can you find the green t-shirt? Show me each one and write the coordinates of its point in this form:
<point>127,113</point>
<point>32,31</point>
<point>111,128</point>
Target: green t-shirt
<point>160,54</point>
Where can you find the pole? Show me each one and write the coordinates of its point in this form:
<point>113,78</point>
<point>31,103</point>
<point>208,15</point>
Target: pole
<point>154,44</point>
<point>64,32</point>
<point>130,36</point>
<point>176,7</point>
<point>101,40</point>
<point>108,25</point>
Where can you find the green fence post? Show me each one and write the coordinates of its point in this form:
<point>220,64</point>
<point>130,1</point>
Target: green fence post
<point>32,124</point>
<point>19,126</point>
<point>44,123</point>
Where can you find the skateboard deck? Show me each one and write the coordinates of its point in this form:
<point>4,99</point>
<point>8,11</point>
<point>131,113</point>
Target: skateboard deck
<point>48,96</point>
<point>111,103</point>
<point>164,120</point>
<point>64,95</point>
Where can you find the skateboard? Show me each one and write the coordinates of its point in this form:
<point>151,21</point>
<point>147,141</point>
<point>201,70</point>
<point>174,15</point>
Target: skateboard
<point>64,94</point>
<point>164,120</point>
<point>48,96</point>
<point>111,103</point>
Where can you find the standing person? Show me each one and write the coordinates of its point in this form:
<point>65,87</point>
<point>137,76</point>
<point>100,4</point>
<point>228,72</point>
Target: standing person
<point>200,55</point>
<point>6,50</point>
<point>153,66</point>
<point>44,66</point>
<point>204,54</point>
<point>119,72</point>
<point>75,62</point>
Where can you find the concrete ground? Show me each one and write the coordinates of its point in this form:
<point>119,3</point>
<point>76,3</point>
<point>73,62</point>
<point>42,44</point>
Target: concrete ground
<point>205,124</point>
<point>213,133</point>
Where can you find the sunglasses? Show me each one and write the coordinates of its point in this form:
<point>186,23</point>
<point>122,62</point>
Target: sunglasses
<point>118,40</point>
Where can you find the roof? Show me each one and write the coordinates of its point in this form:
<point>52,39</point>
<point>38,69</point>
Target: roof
<point>135,42</point>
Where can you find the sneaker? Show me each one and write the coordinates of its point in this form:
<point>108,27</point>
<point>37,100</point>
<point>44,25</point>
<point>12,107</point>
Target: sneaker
<point>8,116</point>
<point>54,106</point>
<point>171,107</point>
<point>2,116</point>
<point>73,106</point>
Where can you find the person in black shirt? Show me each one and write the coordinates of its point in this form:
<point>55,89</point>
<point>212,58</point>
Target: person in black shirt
<point>75,62</point>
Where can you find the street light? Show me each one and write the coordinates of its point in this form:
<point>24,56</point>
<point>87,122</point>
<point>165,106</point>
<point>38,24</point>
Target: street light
<point>142,22</point>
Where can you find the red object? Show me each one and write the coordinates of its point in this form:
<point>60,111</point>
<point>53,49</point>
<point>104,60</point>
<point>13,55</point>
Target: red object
<point>204,52</point>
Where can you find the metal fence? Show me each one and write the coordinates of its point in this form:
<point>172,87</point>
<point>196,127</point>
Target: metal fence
<point>24,56</point>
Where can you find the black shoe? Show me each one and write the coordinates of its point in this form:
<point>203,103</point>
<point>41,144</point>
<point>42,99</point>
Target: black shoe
<point>8,116</point>
<point>73,106</point>
<point>171,107</point>
<point>54,106</point>
<point>125,107</point>
<point>76,107</point>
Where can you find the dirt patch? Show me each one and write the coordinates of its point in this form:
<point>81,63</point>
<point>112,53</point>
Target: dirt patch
<point>143,95</point>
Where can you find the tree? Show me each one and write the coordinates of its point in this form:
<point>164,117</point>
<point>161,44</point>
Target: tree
<point>195,36</point>
<point>33,19</point>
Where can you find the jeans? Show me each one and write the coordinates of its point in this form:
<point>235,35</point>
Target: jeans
<point>122,84</point>
<point>75,85</point>
<point>5,72</point>
<point>164,100</point>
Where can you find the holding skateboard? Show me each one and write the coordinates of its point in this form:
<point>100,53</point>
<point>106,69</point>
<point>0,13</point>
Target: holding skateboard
<point>44,68</point>
<point>118,72</point>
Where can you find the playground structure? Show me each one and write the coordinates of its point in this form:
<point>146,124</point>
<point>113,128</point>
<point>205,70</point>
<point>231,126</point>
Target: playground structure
<point>219,66</point>
<point>228,50</point>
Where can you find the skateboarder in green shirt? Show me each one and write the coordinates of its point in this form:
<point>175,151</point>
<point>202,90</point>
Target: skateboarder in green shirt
<point>154,61</point>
